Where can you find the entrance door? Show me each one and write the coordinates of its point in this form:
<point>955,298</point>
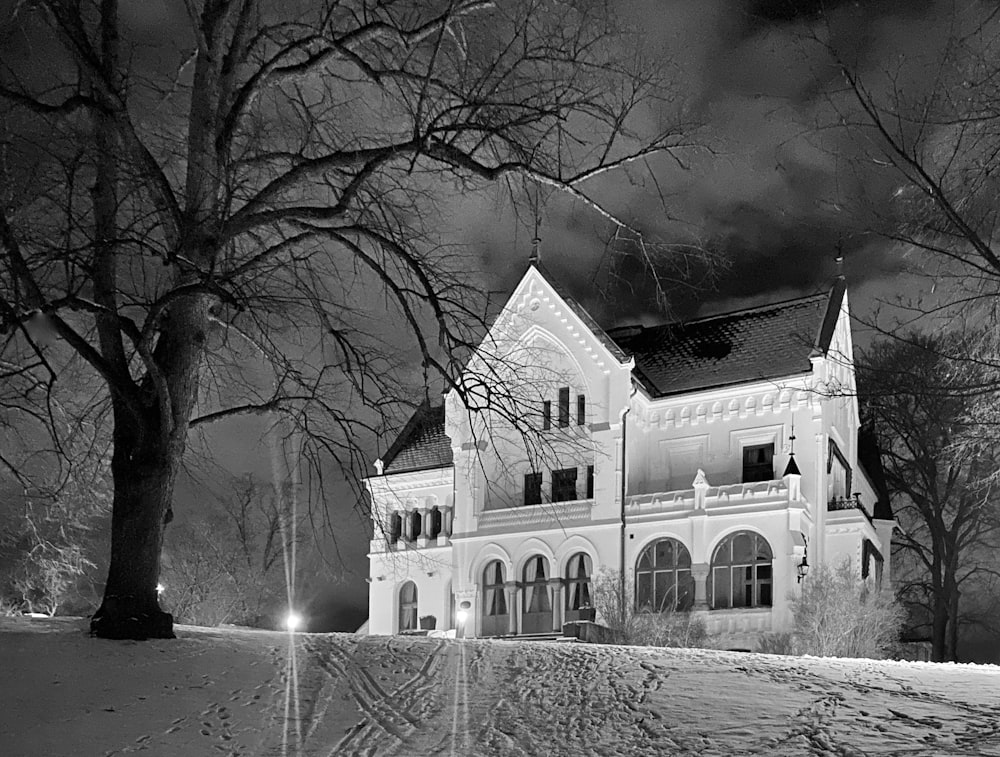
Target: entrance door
<point>536,616</point>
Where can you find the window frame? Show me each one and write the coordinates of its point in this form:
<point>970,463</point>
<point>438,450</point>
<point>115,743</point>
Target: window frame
<point>532,484</point>
<point>755,579</point>
<point>575,593</point>
<point>564,407</point>
<point>406,607</point>
<point>759,467</point>
<point>560,485</point>
<point>679,574</point>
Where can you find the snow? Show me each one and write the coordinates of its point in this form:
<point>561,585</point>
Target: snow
<point>270,694</point>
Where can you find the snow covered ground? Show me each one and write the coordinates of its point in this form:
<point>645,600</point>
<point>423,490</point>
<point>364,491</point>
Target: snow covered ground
<point>240,692</point>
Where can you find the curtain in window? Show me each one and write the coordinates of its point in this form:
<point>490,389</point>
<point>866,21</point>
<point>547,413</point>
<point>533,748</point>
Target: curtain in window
<point>578,581</point>
<point>408,606</point>
<point>536,586</point>
<point>495,599</point>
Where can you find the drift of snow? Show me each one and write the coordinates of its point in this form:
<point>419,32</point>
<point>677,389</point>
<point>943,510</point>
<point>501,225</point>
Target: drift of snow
<point>240,692</point>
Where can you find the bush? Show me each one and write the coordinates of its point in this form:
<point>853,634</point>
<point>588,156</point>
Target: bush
<point>616,610</point>
<point>841,615</point>
<point>776,643</point>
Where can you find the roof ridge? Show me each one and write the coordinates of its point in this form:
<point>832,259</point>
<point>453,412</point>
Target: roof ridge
<point>727,314</point>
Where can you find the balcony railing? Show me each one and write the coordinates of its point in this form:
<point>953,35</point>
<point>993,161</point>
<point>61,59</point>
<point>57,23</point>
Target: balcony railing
<point>708,497</point>
<point>848,503</point>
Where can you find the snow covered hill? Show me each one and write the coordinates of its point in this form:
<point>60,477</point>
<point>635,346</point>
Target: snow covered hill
<point>239,692</point>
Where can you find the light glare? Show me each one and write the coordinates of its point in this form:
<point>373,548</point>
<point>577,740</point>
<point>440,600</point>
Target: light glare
<point>292,621</point>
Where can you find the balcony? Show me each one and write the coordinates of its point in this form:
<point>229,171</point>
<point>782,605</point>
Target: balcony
<point>707,497</point>
<point>848,506</point>
<point>416,528</point>
<point>538,517</point>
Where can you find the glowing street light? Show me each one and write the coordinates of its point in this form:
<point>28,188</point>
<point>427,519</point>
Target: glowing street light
<point>292,621</point>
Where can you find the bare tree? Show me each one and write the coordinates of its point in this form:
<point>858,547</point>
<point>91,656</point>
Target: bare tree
<point>169,222</point>
<point>233,564</point>
<point>941,473</point>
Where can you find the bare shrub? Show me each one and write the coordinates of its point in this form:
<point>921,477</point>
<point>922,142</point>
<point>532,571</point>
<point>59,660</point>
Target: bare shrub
<point>841,615</point>
<point>616,610</point>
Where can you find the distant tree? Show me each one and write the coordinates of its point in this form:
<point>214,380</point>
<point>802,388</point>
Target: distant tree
<point>205,224</point>
<point>838,614</point>
<point>940,469</point>
<point>234,563</point>
<point>50,533</point>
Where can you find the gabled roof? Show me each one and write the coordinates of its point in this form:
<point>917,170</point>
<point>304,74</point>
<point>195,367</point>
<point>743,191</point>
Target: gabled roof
<point>421,444</point>
<point>755,344</point>
<point>759,343</point>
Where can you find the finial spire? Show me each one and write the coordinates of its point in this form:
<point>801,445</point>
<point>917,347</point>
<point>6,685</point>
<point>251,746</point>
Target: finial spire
<point>536,251</point>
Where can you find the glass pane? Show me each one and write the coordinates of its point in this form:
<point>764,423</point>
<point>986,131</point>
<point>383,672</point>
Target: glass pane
<point>683,556</point>
<point>584,595</point>
<point>763,549</point>
<point>665,553</point>
<point>644,591</point>
<point>720,588</point>
<point>645,559</point>
<point>764,599</point>
<point>742,548</point>
<point>666,593</point>
<point>685,590</point>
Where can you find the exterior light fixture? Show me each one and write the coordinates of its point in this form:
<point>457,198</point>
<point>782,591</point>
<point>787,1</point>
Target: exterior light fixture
<point>292,621</point>
<point>159,590</point>
<point>803,568</point>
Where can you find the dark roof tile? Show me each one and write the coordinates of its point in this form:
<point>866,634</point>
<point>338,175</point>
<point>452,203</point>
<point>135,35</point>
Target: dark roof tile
<point>732,348</point>
<point>421,444</point>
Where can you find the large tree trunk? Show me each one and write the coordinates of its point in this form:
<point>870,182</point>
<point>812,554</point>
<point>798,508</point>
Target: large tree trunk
<point>143,492</point>
<point>144,466</point>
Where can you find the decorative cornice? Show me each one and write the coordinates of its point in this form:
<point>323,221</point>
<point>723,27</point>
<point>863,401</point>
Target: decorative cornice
<point>549,515</point>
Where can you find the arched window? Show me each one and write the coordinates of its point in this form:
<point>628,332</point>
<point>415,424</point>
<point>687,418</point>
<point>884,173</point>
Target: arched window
<point>408,606</point>
<point>536,585</point>
<point>495,620</point>
<point>494,596</point>
<point>415,519</point>
<point>578,572</point>
<point>395,527</point>
<point>741,572</point>
<point>663,578</point>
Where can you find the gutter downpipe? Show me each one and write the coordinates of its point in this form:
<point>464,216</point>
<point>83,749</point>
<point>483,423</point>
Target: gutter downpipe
<point>621,541</point>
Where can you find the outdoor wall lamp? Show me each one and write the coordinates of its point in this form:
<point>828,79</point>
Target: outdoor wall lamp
<point>803,568</point>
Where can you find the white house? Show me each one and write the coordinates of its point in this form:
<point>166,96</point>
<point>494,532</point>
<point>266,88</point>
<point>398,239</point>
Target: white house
<point>708,461</point>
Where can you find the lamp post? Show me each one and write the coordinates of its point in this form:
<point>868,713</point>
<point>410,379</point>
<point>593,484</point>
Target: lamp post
<point>292,621</point>
<point>461,616</point>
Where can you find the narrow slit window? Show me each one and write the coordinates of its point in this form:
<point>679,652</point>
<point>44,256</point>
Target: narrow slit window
<point>564,407</point>
<point>532,488</point>
<point>581,409</point>
<point>546,415</point>
<point>590,482</point>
